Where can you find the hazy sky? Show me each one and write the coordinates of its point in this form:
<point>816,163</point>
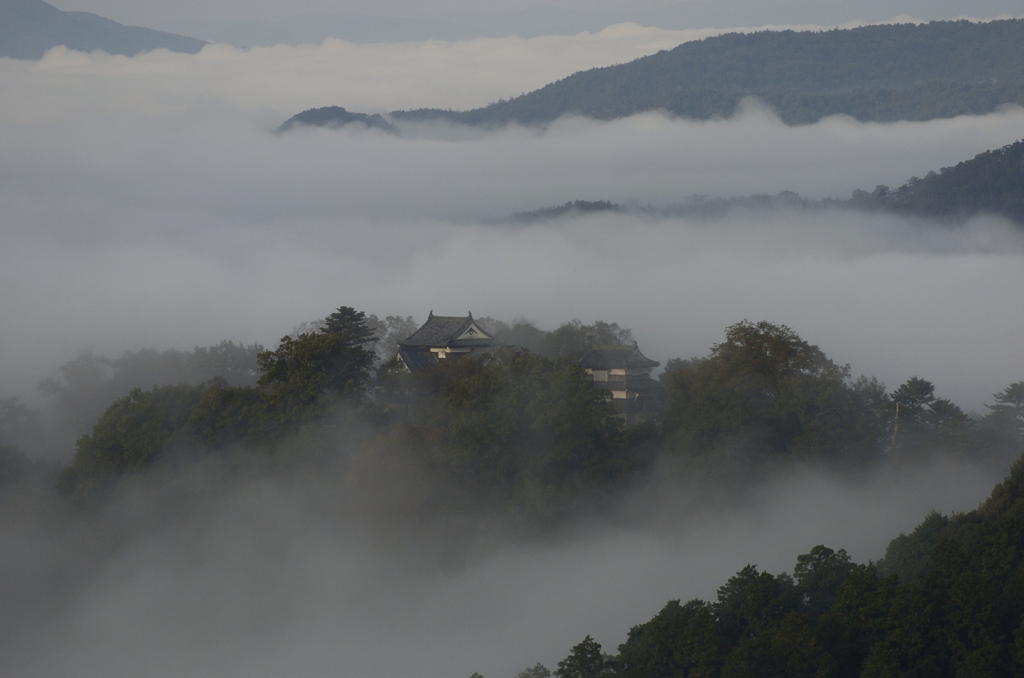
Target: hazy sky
<point>692,14</point>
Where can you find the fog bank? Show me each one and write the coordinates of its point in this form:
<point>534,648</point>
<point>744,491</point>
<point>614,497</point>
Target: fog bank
<point>283,80</point>
<point>197,572</point>
<point>128,231</point>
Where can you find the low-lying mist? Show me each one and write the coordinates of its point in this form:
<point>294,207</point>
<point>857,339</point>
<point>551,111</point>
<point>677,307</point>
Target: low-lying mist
<point>243,567</point>
<point>282,80</point>
<point>379,77</point>
<point>166,232</point>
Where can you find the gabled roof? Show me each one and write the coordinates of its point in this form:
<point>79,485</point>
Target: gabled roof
<point>445,331</point>
<point>615,358</point>
<point>417,360</point>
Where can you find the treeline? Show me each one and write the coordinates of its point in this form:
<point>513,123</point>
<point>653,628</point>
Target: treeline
<point>765,392</point>
<point>946,600</point>
<point>873,73</point>
<point>519,432</point>
<point>523,432</point>
<point>990,183</point>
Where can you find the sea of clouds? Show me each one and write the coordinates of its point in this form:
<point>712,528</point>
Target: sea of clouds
<point>146,202</point>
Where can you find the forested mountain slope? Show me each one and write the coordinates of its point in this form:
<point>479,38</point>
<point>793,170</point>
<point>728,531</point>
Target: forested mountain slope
<point>30,27</point>
<point>991,182</point>
<point>889,72</point>
<point>956,612</point>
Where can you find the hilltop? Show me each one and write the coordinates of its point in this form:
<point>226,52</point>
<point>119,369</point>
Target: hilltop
<point>873,73</point>
<point>880,73</point>
<point>28,28</point>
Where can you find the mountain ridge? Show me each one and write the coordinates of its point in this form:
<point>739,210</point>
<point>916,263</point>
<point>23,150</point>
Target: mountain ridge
<point>28,28</point>
<point>707,78</point>
<point>878,73</point>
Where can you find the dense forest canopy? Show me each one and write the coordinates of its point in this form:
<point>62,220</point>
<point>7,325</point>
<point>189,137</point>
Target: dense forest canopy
<point>521,430</point>
<point>991,182</point>
<point>945,600</point>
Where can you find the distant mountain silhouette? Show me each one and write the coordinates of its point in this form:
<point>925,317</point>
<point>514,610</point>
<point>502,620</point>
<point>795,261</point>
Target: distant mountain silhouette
<point>990,183</point>
<point>30,27</point>
<point>335,116</point>
<point>877,73</point>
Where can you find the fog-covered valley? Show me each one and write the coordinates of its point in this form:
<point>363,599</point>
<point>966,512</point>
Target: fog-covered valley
<point>241,572</point>
<point>137,214</point>
<point>184,229</point>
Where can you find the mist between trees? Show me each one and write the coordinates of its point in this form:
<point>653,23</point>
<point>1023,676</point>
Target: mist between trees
<point>945,600</point>
<point>521,431</point>
<point>519,446</point>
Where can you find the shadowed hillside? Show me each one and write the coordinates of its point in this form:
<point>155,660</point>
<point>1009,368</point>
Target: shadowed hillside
<point>30,27</point>
<point>879,73</point>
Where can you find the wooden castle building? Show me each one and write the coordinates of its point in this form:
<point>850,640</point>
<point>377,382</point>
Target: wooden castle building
<point>626,373</point>
<point>444,337</point>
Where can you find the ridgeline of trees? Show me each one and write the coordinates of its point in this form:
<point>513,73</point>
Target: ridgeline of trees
<point>874,73</point>
<point>521,431</point>
<point>990,183</point>
<point>946,600</point>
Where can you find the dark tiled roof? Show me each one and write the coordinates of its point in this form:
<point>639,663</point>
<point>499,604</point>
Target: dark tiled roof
<point>441,330</point>
<point>417,360</point>
<point>615,358</point>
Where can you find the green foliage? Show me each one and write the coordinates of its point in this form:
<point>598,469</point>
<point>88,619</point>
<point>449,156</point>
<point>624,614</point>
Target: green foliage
<point>751,601</point>
<point>952,605</point>
<point>87,385</point>
<point>299,382</point>
<point>818,575</point>
<point>306,374</point>
<point>349,326</point>
<point>1002,430</point>
<point>584,661</point>
<point>302,371</point>
<point>923,423</point>
<point>227,415</point>
<point>766,390</point>
<point>538,670</point>
<point>523,428</point>
<point>907,555</point>
<point>991,182</point>
<point>786,649</point>
<point>679,642</point>
<point>573,339</point>
<point>130,435</point>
